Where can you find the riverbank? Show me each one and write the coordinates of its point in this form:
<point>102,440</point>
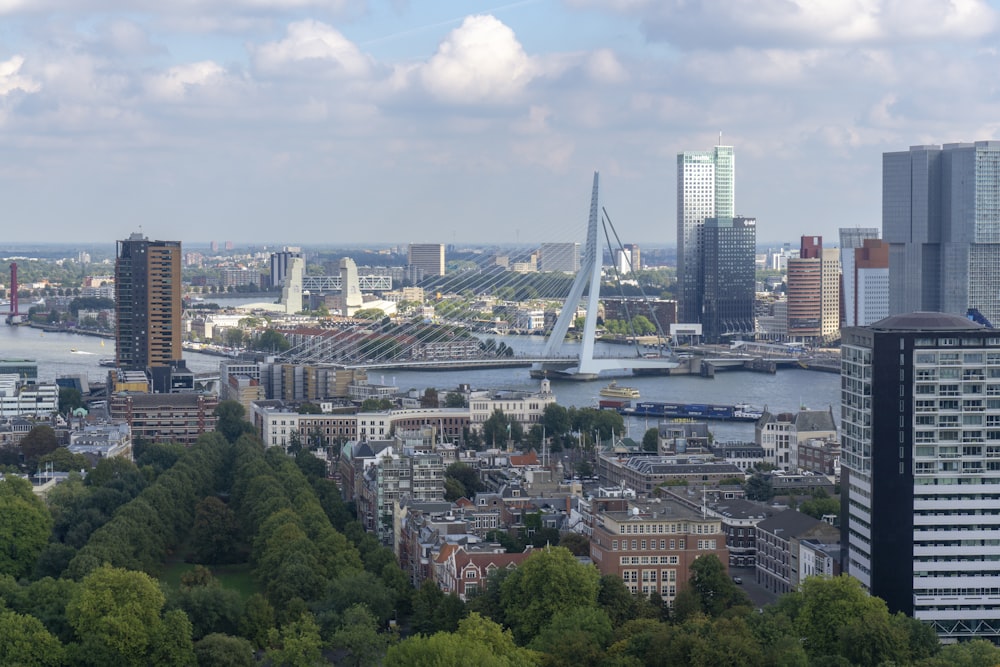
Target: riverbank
<point>56,328</point>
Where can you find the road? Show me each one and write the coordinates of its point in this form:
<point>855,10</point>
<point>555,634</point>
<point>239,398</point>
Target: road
<point>759,595</point>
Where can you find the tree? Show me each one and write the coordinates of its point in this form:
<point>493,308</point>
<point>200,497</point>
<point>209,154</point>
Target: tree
<point>547,582</point>
<point>466,476</point>
<point>298,644</point>
<point>714,588</point>
<point>69,399</point>
<point>38,442</point>
<point>24,527</point>
<point>498,428</point>
<point>453,399</point>
<point>556,420</point>
<point>214,537</point>
<point>359,636</point>
<point>64,460</point>
<point>234,337</point>
<point>220,650</point>
<point>577,543</point>
<point>575,637</point>
<point>430,398</point>
<point>651,440</point>
<point>479,642</point>
<point>272,341</point>
<point>826,604</point>
<point>24,641</point>
<point>231,423</point>
<point>819,506</point>
<point>116,616</point>
<point>759,487</point>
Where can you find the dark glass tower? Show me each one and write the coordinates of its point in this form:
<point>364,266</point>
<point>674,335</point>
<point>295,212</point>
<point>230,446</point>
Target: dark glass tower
<point>727,277</point>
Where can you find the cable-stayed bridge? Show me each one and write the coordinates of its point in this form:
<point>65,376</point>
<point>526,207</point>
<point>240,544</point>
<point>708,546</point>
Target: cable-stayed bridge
<point>475,302</point>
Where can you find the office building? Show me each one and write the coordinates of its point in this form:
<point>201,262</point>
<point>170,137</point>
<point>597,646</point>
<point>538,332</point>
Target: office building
<point>427,257</point>
<point>851,238</point>
<point>870,284</point>
<point>727,282</point>
<point>559,257</point>
<point>920,468</point>
<point>147,303</point>
<point>627,259</point>
<point>705,189</point>
<point>281,264</point>
<point>814,293</point>
<point>939,216</point>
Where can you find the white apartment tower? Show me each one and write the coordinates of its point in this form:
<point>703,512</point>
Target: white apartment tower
<point>705,189</point>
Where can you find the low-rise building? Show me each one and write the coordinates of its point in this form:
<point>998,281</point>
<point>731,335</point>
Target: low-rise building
<point>651,546</point>
<point>526,408</point>
<point>781,434</point>
<point>779,553</point>
<point>102,441</point>
<point>645,473</point>
<point>18,398</point>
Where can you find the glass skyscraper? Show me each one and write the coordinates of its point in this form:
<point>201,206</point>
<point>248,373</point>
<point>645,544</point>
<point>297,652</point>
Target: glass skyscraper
<point>705,189</point>
<point>941,218</point>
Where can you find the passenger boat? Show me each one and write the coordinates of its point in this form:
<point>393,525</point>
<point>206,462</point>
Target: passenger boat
<point>614,390</point>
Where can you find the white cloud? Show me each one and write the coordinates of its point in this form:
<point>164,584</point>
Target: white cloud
<point>11,79</point>
<point>174,84</point>
<point>481,61</point>
<point>603,66</point>
<point>698,24</point>
<point>313,44</point>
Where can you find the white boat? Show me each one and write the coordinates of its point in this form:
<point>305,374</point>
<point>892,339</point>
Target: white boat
<point>614,390</point>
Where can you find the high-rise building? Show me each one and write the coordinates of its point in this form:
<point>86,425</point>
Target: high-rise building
<point>705,189</point>
<point>920,468</point>
<point>813,292</point>
<point>727,281</point>
<point>559,257</point>
<point>941,217</point>
<point>851,238</point>
<point>870,283</point>
<point>427,257</point>
<point>281,263</point>
<point>147,303</point>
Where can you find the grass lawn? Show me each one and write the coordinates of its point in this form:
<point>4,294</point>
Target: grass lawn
<point>233,577</point>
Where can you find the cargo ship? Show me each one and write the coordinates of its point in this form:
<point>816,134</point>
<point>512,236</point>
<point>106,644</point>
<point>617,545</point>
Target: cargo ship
<point>739,412</point>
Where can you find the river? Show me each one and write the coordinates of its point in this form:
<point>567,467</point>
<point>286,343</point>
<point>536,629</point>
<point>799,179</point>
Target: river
<point>784,391</point>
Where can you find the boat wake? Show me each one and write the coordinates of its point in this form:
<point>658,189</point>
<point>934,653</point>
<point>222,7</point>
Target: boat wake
<point>81,352</point>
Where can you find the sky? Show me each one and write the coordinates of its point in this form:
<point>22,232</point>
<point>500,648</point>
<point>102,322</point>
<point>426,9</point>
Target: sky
<point>468,121</point>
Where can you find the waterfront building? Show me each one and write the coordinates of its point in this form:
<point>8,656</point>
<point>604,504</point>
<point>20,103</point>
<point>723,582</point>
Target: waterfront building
<point>705,189</point>
<point>18,398</point>
<point>427,258</point>
<point>26,370</point>
<point>563,257</point>
<point>782,434</point>
<point>148,303</point>
<point>851,239</point>
<point>814,293</point>
<point>526,408</point>
<point>281,264</point>
<point>920,468</point>
<point>727,276</point>
<point>650,546</point>
<point>939,215</point>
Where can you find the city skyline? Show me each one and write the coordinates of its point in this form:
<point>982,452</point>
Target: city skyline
<point>320,121</point>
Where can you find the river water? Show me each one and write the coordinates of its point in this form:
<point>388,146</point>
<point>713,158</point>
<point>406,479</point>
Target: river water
<point>70,354</point>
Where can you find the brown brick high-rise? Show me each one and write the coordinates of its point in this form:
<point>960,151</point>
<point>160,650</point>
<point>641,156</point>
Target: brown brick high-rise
<point>147,303</point>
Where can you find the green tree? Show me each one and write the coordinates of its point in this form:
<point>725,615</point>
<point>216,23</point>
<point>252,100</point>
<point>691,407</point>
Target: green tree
<point>25,525</point>
<point>820,507</point>
<point>759,487</point>
<point>258,620</point>
<point>715,589</point>
<point>651,440</point>
<point>479,642</point>
<point>577,543</point>
<point>215,532</point>
<point>64,460</point>
<point>547,582</point>
<point>38,442</point>
<point>25,642</point>
<point>116,616</point>
<point>826,604</point>
<point>231,423</point>
<point>70,399</point>
<point>358,635</point>
<point>220,650</point>
<point>575,637</point>
<point>272,341</point>
<point>297,644</point>
<point>453,399</point>
<point>556,420</point>
<point>498,428</point>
